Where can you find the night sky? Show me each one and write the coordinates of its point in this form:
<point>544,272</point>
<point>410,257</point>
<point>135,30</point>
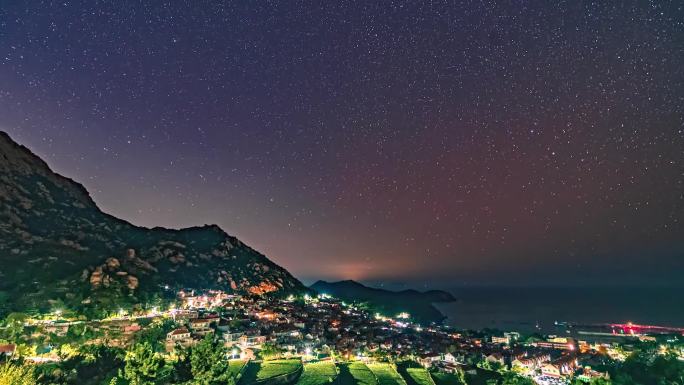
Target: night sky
<point>440,143</point>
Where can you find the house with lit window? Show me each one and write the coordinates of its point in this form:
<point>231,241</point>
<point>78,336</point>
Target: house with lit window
<point>428,359</point>
<point>500,340</point>
<point>179,337</point>
<point>531,362</point>
<point>562,366</point>
<point>251,341</point>
<point>201,326</point>
<point>7,351</point>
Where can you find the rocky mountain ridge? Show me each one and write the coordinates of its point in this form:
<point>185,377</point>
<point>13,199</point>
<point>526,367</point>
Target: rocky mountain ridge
<point>57,245</point>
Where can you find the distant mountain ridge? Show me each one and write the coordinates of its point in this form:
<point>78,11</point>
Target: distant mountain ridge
<point>418,304</point>
<point>56,245</point>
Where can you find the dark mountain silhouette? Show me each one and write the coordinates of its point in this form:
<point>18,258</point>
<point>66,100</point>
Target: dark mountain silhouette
<point>390,303</point>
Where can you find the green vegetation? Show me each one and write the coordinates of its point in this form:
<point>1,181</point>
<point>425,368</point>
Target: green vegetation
<point>416,375</point>
<point>490,366</point>
<point>386,374</point>
<point>270,351</point>
<point>155,334</point>
<point>356,373</point>
<point>483,377</point>
<point>510,378</point>
<point>11,374</point>
<point>87,365</point>
<point>441,378</point>
<point>235,367</point>
<point>14,327</point>
<point>144,366</point>
<point>641,368</point>
<point>208,363</point>
<point>249,376</point>
<point>276,368</point>
<point>593,381</point>
<point>318,373</point>
<point>262,372</point>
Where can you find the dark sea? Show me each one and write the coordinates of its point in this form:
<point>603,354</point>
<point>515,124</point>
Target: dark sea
<point>541,309</point>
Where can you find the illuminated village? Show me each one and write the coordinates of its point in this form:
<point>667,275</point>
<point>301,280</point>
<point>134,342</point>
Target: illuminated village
<point>323,330</point>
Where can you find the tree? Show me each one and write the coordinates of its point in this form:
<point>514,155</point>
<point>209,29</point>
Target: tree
<point>668,369</point>
<point>642,367</point>
<point>599,381</point>
<point>91,364</point>
<point>144,366</point>
<point>11,374</point>
<point>155,334</point>
<point>511,378</point>
<point>208,363</point>
<point>623,379</point>
<point>490,365</point>
<point>15,326</point>
<point>269,351</point>
<point>4,303</point>
<point>460,375</point>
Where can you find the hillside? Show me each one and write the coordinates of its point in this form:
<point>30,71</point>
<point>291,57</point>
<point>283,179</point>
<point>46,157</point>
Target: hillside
<point>418,304</point>
<point>56,246</point>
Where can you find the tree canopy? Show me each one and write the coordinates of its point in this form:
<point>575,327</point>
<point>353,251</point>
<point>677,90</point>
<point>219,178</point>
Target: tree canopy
<point>209,365</point>
<point>144,366</point>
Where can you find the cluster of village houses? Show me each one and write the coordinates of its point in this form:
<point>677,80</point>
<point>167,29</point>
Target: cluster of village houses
<point>316,327</point>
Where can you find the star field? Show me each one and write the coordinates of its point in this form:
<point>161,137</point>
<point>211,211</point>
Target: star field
<point>467,142</point>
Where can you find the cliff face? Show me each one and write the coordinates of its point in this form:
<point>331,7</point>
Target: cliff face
<point>56,244</point>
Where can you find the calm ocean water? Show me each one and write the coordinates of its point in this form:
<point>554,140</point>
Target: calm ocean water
<point>524,308</point>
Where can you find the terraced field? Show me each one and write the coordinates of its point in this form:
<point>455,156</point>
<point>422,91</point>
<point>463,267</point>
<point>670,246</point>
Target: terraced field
<point>318,373</point>
<point>417,376</point>
<point>263,372</point>
<point>235,366</point>
<point>445,378</point>
<point>355,373</point>
<point>386,374</point>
